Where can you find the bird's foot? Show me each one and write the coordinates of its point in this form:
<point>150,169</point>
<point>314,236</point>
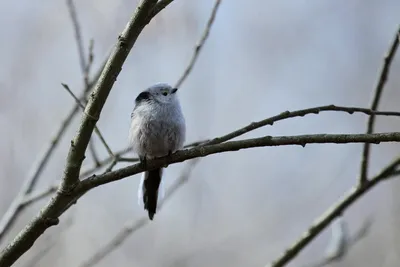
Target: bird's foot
<point>169,155</point>
<point>143,161</point>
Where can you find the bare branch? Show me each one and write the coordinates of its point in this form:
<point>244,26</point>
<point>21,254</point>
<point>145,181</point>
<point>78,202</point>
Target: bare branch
<point>205,150</point>
<point>119,156</point>
<point>89,64</point>
<point>48,216</point>
<point>93,152</point>
<point>375,102</point>
<point>200,44</point>
<point>108,160</point>
<point>135,225</point>
<point>78,35</point>
<point>112,165</point>
<point>36,170</point>
<point>298,113</point>
<point>40,194</point>
<point>333,212</point>
<point>96,129</point>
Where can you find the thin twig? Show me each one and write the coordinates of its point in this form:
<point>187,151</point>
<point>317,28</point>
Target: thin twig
<point>297,113</point>
<point>96,129</point>
<point>108,160</point>
<point>134,225</point>
<point>92,149</point>
<point>112,165</point>
<point>200,44</point>
<point>78,34</point>
<point>40,194</point>
<point>375,102</point>
<point>334,211</point>
<point>84,64</point>
<point>89,63</point>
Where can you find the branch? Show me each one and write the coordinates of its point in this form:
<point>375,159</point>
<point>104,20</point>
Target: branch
<point>135,225</point>
<point>40,194</point>
<point>78,35</point>
<point>375,102</point>
<point>48,216</point>
<point>333,212</point>
<point>106,161</point>
<point>297,113</point>
<point>119,157</point>
<point>205,150</point>
<point>200,44</point>
<point>36,170</point>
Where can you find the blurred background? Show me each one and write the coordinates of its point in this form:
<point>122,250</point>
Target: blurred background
<point>262,58</point>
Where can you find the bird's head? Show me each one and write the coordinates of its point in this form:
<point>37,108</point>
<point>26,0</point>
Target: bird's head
<point>160,92</point>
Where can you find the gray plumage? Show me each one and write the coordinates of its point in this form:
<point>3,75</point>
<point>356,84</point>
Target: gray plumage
<point>157,129</point>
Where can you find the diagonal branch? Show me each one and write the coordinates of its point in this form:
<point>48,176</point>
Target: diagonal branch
<point>48,216</point>
<point>36,170</point>
<point>134,225</point>
<point>333,212</point>
<point>78,35</point>
<point>40,194</point>
<point>375,102</point>
<point>341,242</point>
<point>200,44</point>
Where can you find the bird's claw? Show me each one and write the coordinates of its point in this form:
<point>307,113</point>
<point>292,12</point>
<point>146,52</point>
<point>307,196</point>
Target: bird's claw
<point>169,155</point>
<point>143,161</point>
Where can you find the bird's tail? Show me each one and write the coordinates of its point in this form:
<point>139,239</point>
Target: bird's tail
<point>148,190</point>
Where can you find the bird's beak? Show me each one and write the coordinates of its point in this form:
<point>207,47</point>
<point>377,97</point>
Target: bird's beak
<point>174,90</point>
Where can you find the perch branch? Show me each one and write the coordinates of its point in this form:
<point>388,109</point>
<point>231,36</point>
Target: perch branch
<point>205,150</point>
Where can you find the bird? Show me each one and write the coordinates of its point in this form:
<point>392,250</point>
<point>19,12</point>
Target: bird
<point>157,129</point>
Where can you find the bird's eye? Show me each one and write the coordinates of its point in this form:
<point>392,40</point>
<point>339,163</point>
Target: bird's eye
<point>164,93</point>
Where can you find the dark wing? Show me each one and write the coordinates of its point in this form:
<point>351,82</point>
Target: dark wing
<point>141,98</point>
